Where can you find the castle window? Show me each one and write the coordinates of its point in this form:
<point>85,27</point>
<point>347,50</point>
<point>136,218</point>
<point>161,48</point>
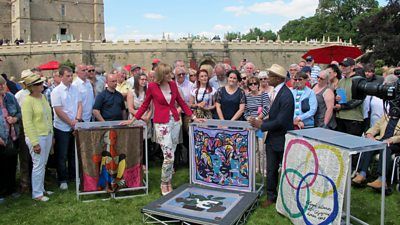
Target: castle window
<point>62,10</point>
<point>63,31</point>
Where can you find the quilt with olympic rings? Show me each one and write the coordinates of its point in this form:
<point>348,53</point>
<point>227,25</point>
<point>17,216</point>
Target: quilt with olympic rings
<point>313,180</point>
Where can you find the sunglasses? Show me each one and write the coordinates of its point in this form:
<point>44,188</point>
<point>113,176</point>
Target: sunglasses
<point>320,78</point>
<point>244,78</point>
<point>192,75</point>
<point>90,71</point>
<point>251,84</point>
<point>301,79</point>
<point>181,74</point>
<point>263,78</point>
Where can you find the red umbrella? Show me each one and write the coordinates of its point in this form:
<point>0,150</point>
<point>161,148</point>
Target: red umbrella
<point>128,67</point>
<point>331,53</point>
<point>52,65</point>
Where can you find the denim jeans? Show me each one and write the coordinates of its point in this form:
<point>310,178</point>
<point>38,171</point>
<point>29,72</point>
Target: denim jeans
<point>64,149</point>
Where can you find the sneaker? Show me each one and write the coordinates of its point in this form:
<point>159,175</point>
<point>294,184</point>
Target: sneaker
<point>42,199</point>
<point>64,186</point>
<point>48,193</point>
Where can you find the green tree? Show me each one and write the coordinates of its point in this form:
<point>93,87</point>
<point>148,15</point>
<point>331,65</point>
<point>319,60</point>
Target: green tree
<point>69,64</point>
<point>381,34</point>
<point>256,33</point>
<point>232,36</point>
<point>332,18</point>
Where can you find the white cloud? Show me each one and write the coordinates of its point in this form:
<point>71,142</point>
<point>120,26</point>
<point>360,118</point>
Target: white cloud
<point>292,9</point>
<point>153,16</point>
<point>237,10</point>
<point>223,28</point>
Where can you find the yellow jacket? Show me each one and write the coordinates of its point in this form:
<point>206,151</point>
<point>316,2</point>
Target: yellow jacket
<point>37,118</point>
<point>379,128</point>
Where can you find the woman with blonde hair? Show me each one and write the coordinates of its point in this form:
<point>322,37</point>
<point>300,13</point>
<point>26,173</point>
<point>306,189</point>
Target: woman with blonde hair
<point>164,94</point>
<point>38,127</point>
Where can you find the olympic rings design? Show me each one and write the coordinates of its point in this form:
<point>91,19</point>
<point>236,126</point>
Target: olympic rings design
<point>307,184</point>
<point>335,210</point>
<point>297,215</point>
<point>338,180</point>
<point>312,150</point>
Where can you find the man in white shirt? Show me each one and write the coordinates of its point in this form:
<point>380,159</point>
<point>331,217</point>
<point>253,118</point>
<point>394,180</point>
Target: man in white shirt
<point>86,92</point>
<point>67,106</point>
<point>220,79</point>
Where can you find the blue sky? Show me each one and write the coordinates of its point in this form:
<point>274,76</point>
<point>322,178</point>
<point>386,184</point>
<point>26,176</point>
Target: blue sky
<point>134,19</point>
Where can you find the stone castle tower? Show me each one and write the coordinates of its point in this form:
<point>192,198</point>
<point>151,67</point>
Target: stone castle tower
<point>45,20</point>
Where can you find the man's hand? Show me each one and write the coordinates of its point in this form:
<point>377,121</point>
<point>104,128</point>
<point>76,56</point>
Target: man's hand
<point>338,98</point>
<point>388,142</point>
<point>370,136</point>
<point>256,123</point>
<point>338,107</point>
<point>73,123</point>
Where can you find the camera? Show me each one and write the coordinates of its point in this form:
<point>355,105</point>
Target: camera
<point>389,93</point>
<point>397,72</point>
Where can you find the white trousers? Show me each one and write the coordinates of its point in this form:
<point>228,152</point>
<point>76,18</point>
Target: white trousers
<point>39,163</point>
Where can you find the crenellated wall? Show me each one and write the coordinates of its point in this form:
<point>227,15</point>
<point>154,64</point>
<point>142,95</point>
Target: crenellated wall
<point>263,54</point>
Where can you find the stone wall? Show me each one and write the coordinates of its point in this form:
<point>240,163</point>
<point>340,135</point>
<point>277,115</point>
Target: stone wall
<point>263,54</point>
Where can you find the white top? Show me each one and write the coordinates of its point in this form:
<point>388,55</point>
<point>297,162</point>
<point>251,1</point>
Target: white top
<point>208,97</point>
<point>20,96</point>
<point>87,95</point>
<point>186,88</point>
<point>131,82</point>
<point>68,99</point>
<point>375,106</point>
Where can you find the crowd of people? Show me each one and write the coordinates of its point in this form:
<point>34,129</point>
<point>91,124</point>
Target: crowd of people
<point>40,113</point>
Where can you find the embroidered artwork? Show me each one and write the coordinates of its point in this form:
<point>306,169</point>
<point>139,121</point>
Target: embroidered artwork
<point>221,158</point>
<point>312,184</point>
<point>110,159</point>
<point>202,203</point>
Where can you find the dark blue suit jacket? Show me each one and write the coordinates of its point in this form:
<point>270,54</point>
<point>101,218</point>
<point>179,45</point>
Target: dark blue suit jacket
<point>280,119</point>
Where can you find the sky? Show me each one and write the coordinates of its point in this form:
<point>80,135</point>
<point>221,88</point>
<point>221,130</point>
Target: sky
<point>150,19</point>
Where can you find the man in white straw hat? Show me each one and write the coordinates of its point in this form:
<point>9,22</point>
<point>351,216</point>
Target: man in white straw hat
<point>279,121</point>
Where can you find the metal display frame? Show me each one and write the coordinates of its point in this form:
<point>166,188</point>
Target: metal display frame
<point>152,214</point>
<point>237,125</point>
<point>145,179</point>
<point>354,145</point>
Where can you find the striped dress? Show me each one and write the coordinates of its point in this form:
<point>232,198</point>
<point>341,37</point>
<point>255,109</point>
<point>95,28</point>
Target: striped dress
<point>256,103</point>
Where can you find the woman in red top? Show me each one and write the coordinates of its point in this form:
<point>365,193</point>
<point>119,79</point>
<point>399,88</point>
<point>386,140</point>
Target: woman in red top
<point>164,94</point>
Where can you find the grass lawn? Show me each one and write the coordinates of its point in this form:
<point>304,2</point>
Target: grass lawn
<point>63,208</point>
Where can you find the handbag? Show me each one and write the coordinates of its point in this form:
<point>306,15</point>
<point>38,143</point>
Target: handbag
<point>10,148</point>
<point>305,105</point>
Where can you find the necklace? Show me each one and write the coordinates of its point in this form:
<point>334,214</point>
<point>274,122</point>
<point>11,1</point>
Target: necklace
<point>202,98</point>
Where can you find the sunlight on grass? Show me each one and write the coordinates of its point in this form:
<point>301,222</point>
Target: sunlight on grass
<point>63,208</point>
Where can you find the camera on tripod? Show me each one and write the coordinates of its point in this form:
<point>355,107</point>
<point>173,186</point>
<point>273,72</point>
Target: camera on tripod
<point>389,93</point>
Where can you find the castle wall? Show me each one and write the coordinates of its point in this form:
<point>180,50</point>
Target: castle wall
<point>262,54</point>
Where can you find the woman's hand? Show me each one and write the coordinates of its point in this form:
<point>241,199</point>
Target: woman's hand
<point>11,120</point>
<point>37,149</point>
<point>201,105</point>
<point>128,122</point>
<point>199,120</point>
